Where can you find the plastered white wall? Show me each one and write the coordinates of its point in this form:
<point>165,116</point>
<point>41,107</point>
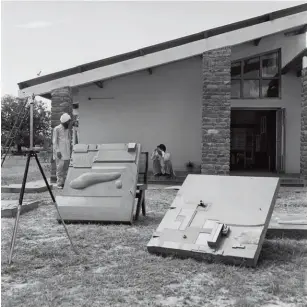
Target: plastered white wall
<point>165,107</point>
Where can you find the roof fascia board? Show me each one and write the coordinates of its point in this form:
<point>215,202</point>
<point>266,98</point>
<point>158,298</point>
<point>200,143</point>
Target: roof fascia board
<point>170,55</point>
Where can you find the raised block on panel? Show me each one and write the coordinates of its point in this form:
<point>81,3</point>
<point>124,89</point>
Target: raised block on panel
<point>80,148</point>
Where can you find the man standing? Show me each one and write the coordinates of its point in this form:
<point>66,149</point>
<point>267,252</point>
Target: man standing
<point>61,149</point>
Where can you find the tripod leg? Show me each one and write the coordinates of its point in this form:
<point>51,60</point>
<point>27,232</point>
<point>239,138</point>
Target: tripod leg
<point>55,204</point>
<point>22,192</point>
<point>14,234</point>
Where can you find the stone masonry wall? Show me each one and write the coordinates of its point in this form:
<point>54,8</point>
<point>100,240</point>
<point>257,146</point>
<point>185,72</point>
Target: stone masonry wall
<point>304,125</point>
<point>61,102</point>
<point>216,109</point>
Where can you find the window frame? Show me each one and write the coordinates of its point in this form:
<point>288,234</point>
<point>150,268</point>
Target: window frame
<point>260,56</point>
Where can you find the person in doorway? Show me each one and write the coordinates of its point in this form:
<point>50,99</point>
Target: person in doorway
<point>61,149</point>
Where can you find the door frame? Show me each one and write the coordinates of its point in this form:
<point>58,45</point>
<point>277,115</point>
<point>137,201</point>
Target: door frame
<point>280,157</point>
<point>281,144</point>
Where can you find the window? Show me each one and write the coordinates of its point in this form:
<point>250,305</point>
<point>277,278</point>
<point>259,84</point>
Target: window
<point>257,77</point>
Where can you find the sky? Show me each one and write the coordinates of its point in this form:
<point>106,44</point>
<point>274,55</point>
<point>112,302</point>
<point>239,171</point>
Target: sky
<point>49,36</point>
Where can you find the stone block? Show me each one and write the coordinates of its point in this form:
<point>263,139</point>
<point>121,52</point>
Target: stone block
<point>61,102</point>
<point>216,111</point>
<point>303,148</point>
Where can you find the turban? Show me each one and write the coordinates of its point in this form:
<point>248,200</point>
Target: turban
<point>65,118</point>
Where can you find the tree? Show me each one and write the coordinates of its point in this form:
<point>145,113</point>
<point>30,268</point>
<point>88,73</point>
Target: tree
<point>41,123</point>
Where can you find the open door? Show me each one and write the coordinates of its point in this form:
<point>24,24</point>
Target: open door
<point>280,140</point>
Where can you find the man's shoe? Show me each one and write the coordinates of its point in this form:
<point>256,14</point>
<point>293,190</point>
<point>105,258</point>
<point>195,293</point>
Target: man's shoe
<point>59,186</point>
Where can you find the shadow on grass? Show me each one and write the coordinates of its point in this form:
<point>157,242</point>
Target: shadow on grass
<point>282,250</point>
<point>150,220</point>
<point>243,302</point>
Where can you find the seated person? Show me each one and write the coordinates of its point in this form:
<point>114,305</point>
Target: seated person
<point>156,157</point>
<point>162,165</point>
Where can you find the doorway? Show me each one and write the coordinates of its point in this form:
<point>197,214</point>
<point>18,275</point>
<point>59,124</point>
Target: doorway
<point>255,143</point>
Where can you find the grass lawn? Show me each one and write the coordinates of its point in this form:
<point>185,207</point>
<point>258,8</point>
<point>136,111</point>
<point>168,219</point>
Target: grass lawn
<point>115,269</point>
<point>14,167</point>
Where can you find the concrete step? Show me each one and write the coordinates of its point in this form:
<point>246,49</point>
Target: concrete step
<point>287,225</point>
<point>163,180</point>
<point>31,187</point>
<point>291,182</point>
<point>9,207</point>
<point>284,181</point>
<point>167,181</point>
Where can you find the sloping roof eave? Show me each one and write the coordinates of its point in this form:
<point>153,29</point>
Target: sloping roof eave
<point>164,46</point>
<point>295,62</point>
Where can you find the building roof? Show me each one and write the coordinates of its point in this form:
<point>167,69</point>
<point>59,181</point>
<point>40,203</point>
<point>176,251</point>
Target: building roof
<point>166,45</point>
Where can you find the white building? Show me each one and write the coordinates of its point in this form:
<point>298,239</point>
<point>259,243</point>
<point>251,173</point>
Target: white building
<point>232,98</point>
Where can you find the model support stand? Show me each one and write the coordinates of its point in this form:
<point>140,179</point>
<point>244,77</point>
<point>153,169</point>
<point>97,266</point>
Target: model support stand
<point>33,153</point>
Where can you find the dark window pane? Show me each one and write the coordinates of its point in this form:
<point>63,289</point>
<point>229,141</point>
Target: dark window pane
<point>251,68</point>
<point>270,65</point>
<point>251,89</point>
<point>270,88</point>
<point>235,88</point>
<point>236,70</point>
